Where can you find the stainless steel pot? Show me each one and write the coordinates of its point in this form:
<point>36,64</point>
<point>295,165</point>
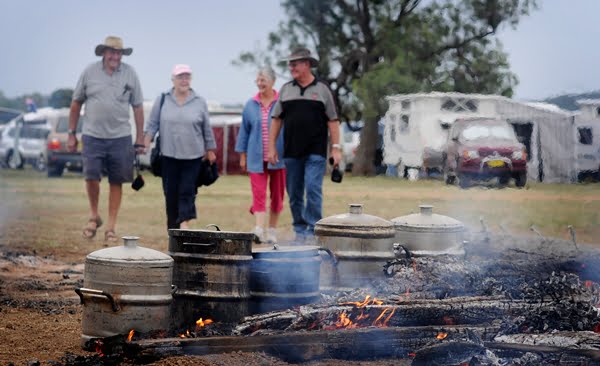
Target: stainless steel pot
<point>426,233</point>
<point>360,243</point>
<point>284,276</point>
<point>124,288</point>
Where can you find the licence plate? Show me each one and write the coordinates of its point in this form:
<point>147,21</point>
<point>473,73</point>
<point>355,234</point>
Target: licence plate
<point>495,163</point>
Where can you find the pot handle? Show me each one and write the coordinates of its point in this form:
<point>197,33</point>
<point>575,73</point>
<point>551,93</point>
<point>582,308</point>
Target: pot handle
<point>200,244</point>
<point>88,291</point>
<point>173,289</point>
<point>213,225</point>
<point>331,255</point>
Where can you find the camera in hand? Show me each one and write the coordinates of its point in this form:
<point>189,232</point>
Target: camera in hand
<point>336,173</point>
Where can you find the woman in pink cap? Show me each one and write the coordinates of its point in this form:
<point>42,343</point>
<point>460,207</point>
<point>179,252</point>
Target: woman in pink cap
<point>186,138</point>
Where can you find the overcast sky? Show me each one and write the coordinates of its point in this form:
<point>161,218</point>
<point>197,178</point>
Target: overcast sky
<point>46,44</point>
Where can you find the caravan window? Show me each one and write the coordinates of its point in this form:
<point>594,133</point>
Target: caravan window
<point>459,105</point>
<point>585,135</point>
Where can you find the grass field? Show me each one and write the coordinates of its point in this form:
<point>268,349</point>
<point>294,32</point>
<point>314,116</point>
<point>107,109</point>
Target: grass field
<point>48,214</point>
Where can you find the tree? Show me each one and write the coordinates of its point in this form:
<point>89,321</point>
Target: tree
<point>61,98</point>
<point>444,45</point>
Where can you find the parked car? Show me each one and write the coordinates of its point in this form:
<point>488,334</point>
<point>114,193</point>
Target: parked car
<point>23,142</point>
<point>59,157</point>
<point>482,149</point>
<point>7,115</point>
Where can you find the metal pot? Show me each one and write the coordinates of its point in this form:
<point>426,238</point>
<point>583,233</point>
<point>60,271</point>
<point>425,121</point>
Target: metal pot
<point>361,244</point>
<point>124,288</point>
<point>284,276</point>
<point>212,275</point>
<point>426,233</point>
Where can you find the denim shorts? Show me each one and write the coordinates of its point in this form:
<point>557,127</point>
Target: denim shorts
<point>111,156</point>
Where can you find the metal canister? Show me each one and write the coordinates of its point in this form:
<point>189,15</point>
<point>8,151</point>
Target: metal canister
<point>212,275</point>
<point>124,288</point>
<point>284,276</point>
<point>360,244</point>
<point>426,233</point>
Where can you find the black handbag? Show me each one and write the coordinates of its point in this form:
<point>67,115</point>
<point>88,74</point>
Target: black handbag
<point>155,154</point>
<point>156,159</point>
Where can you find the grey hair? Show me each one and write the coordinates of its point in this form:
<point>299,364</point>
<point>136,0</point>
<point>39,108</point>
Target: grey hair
<point>267,72</point>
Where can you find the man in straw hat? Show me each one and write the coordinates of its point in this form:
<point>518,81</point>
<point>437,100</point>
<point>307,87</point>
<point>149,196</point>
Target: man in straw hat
<point>306,109</point>
<point>107,88</point>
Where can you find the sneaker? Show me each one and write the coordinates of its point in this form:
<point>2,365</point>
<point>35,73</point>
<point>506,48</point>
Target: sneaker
<point>260,234</point>
<point>271,235</point>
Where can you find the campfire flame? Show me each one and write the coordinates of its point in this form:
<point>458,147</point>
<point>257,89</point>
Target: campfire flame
<point>365,302</point>
<point>200,323</point>
<point>99,347</point>
<point>352,320</point>
<point>441,335</point>
<point>130,336</point>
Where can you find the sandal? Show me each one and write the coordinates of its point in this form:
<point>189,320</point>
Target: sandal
<point>89,232</point>
<point>110,236</point>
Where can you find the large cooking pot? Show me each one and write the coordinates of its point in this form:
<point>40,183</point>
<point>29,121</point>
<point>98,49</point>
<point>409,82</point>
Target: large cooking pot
<point>426,233</point>
<point>212,275</point>
<point>284,276</point>
<point>361,244</point>
<point>124,288</point>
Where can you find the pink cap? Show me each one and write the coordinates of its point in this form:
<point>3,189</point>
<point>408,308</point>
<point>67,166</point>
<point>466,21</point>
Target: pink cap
<point>181,69</point>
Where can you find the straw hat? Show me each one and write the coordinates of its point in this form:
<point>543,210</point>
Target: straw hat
<point>114,43</point>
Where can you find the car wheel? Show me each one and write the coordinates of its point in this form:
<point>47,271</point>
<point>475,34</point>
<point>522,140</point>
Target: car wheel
<point>521,179</point>
<point>449,178</point>
<point>55,170</point>
<point>464,181</point>
<point>40,163</point>
<point>14,160</point>
<point>503,180</point>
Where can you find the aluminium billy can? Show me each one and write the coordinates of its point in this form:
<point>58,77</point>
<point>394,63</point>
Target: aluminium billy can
<point>124,288</point>
<point>360,245</point>
<point>427,233</point>
<point>212,275</point>
<point>284,276</point>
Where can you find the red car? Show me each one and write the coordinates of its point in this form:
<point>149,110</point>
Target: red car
<point>482,149</point>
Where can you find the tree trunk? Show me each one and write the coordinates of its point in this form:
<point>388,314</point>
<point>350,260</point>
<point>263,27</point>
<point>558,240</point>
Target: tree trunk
<point>364,160</point>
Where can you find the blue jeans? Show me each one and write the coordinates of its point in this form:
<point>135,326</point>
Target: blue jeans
<point>305,174</point>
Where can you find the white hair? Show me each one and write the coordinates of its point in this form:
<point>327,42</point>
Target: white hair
<point>267,72</point>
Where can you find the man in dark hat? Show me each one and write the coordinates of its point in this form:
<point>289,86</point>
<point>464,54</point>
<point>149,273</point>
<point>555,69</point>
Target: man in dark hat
<point>306,109</point>
<point>107,87</point>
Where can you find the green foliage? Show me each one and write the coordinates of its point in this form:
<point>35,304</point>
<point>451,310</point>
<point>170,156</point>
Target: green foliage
<point>61,98</point>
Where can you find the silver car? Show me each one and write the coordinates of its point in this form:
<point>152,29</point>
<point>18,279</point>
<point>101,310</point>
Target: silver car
<point>24,142</point>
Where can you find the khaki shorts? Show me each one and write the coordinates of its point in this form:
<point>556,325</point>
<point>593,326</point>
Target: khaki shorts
<point>114,157</point>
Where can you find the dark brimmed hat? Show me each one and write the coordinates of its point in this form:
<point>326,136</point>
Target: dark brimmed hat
<point>302,53</point>
<point>114,43</point>
<point>209,173</point>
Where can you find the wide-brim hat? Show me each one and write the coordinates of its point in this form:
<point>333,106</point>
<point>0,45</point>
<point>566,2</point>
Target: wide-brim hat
<point>114,43</point>
<point>302,53</point>
<point>209,173</point>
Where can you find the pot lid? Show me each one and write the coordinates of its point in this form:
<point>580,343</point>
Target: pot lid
<point>277,251</point>
<point>211,234</point>
<point>355,224</point>
<point>426,219</point>
<point>130,252</point>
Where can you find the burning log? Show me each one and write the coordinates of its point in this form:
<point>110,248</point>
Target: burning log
<point>355,344</point>
<point>418,313</point>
